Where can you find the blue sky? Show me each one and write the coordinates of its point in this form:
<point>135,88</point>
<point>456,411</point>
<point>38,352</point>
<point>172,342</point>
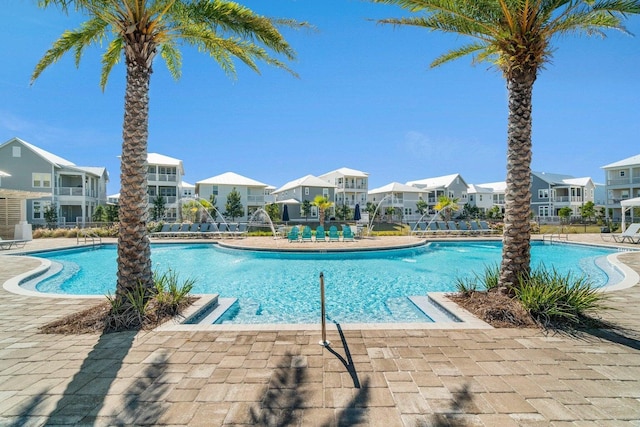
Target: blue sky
<point>366,99</point>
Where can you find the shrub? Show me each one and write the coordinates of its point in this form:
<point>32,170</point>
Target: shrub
<point>488,279</point>
<point>553,298</point>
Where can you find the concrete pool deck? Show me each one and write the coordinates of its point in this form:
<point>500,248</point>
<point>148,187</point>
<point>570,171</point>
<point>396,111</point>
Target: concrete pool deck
<point>386,377</point>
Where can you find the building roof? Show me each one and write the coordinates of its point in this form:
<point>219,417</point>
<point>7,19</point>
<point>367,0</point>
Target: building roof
<point>231,178</point>
<point>50,157</point>
<point>185,184</point>
<point>559,179</point>
<point>629,161</point>
<point>98,171</point>
<point>160,159</point>
<point>496,187</point>
<point>475,189</point>
<point>307,181</point>
<point>348,172</point>
<point>437,182</point>
<point>396,187</point>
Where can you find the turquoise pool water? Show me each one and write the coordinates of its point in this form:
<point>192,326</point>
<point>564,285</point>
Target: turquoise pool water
<point>283,287</point>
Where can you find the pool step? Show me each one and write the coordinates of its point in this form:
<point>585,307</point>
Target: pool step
<point>433,309</point>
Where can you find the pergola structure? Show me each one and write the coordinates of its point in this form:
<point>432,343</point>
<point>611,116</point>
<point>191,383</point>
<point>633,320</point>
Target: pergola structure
<point>13,211</point>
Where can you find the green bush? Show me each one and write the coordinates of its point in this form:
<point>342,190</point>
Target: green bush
<point>553,298</point>
<point>488,279</point>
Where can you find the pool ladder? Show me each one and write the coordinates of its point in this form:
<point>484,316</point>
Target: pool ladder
<point>86,234</point>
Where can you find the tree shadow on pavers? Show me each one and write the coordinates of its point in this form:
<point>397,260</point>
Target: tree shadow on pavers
<point>285,399</point>
<point>86,392</point>
<point>602,329</point>
<point>285,395</point>
<point>459,405</point>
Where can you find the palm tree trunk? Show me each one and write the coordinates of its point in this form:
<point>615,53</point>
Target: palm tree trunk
<point>134,253</point>
<point>516,251</point>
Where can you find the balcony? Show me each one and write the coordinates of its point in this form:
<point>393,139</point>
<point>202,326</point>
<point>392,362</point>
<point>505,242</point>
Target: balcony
<point>162,177</point>
<point>567,199</point>
<point>75,191</point>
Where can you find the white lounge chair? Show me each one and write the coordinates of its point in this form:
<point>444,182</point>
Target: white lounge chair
<point>631,233</point>
<point>8,244</point>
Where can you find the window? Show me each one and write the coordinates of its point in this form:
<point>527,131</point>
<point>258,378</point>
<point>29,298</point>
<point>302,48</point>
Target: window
<point>214,190</point>
<point>314,211</point>
<point>543,211</point>
<point>16,151</point>
<point>325,193</point>
<point>41,180</point>
<point>452,195</point>
<point>622,173</point>
<point>306,191</point>
<point>464,196</point>
<point>543,193</point>
<point>38,209</point>
<point>407,211</point>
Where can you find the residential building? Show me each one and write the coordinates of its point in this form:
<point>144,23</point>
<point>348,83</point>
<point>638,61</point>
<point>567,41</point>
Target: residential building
<point>551,192</point>
<point>498,190</point>
<point>351,186</point>
<point>188,190</point>
<point>252,192</point>
<point>622,181</point>
<point>164,178</point>
<point>452,186</point>
<point>294,193</point>
<point>74,191</point>
<point>396,201</point>
<point>481,197</point>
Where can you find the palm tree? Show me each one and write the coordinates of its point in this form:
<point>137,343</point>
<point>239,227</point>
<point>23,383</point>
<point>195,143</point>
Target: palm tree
<point>515,36</point>
<point>323,204</point>
<point>446,206</point>
<point>139,30</point>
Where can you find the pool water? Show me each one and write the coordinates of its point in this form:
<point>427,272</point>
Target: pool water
<point>283,287</point>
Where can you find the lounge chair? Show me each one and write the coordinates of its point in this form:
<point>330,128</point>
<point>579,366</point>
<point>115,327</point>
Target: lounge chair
<point>475,229</point>
<point>183,230</point>
<point>484,226</point>
<point>442,227</point>
<point>463,228</point>
<point>631,234</point>
<point>432,227</point>
<point>347,234</point>
<point>163,231</point>
<point>223,229</point>
<point>453,227</point>
<point>333,234</point>
<point>306,234</point>
<point>8,244</point>
<point>413,228</point>
<point>242,229</point>
<point>320,234</point>
<point>293,235</point>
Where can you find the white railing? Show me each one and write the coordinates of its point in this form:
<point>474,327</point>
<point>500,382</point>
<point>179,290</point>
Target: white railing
<point>74,191</point>
<point>165,177</point>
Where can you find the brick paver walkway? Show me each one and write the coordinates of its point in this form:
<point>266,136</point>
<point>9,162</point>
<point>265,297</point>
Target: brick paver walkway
<point>495,377</point>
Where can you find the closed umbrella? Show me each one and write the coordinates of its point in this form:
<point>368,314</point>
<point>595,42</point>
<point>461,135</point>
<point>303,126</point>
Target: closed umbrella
<point>285,214</point>
<point>356,213</point>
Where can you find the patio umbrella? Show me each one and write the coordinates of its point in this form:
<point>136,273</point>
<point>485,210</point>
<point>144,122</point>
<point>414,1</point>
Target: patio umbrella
<point>285,214</point>
<point>356,213</point>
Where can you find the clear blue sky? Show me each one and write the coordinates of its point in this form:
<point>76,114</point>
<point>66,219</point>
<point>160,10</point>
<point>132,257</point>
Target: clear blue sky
<point>366,99</point>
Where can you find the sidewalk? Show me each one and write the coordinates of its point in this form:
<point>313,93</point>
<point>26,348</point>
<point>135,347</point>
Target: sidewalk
<point>495,377</point>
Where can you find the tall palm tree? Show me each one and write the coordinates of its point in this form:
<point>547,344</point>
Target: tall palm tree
<point>138,31</point>
<point>446,206</point>
<point>515,36</point>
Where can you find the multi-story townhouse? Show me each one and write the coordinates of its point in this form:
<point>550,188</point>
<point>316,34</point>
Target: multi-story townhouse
<point>481,197</point>
<point>452,186</point>
<point>74,191</point>
<point>622,181</point>
<point>396,201</point>
<point>294,193</point>
<point>551,192</point>
<point>351,186</point>
<point>164,178</point>
<point>252,192</point>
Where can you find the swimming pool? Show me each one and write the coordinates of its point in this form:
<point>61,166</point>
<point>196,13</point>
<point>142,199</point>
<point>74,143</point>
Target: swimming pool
<point>283,287</point>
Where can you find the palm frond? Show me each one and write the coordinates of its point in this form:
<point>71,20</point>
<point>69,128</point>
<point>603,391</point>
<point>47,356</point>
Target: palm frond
<point>110,58</point>
<point>458,53</point>
<point>172,58</point>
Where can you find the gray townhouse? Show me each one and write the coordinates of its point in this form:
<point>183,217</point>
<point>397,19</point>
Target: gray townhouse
<point>74,191</point>
<point>294,193</point>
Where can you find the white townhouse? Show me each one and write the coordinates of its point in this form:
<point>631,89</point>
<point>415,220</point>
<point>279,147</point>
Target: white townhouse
<point>188,190</point>
<point>401,197</point>
<point>74,191</point>
<point>294,193</point>
<point>252,192</point>
<point>498,190</point>
<point>351,186</point>
<point>622,181</point>
<point>164,178</point>
<point>481,197</point>
<point>452,186</point>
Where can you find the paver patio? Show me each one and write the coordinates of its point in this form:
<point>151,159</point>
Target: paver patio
<point>392,377</point>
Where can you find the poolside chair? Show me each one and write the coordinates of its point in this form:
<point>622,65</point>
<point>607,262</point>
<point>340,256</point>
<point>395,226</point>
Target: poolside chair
<point>293,235</point>
<point>453,227</point>
<point>442,227</point>
<point>333,234</point>
<point>223,229</point>
<point>306,234</point>
<point>242,229</point>
<point>213,231</point>
<point>430,228</point>
<point>631,234</point>
<point>475,229</point>
<point>484,226</point>
<point>163,231</point>
<point>463,228</point>
<point>320,235</point>
<point>347,234</point>
<point>413,228</point>
<point>8,244</point>
<point>193,230</point>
